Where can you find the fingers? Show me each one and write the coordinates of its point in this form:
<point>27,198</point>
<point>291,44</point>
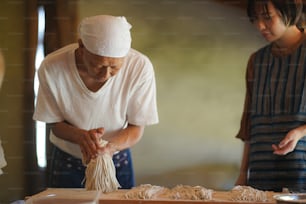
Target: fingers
<point>93,139</point>
<point>277,150</point>
<point>288,144</point>
<point>284,142</point>
<point>88,147</point>
<point>89,142</point>
<point>100,130</point>
<point>283,149</point>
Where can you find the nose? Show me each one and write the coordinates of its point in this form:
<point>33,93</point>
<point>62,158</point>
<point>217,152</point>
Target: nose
<point>260,25</point>
<point>105,72</point>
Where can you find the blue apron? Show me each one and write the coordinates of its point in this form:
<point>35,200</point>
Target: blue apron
<point>66,171</point>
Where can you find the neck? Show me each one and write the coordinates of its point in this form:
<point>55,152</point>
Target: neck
<point>292,37</point>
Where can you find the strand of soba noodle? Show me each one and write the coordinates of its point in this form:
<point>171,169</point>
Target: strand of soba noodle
<point>100,173</point>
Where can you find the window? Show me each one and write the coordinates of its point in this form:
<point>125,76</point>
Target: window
<point>40,126</point>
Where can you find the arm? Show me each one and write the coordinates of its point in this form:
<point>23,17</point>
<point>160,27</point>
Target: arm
<point>87,140</point>
<point>243,133</point>
<point>243,174</point>
<point>125,138</point>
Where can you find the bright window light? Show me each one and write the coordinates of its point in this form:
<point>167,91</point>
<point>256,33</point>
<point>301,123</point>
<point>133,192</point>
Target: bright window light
<point>40,126</point>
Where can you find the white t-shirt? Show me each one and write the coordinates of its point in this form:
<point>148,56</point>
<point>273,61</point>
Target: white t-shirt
<point>127,97</point>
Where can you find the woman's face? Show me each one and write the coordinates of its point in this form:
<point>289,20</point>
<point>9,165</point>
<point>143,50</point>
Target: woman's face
<point>101,68</point>
<point>269,22</point>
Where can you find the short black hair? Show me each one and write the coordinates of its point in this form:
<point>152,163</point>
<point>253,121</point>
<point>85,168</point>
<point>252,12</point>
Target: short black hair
<point>291,11</point>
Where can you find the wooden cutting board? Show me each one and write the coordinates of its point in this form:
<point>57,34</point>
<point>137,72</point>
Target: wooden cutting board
<point>81,196</point>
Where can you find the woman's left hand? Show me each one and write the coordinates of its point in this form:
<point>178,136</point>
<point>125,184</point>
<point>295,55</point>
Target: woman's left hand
<point>109,148</point>
<point>288,144</point>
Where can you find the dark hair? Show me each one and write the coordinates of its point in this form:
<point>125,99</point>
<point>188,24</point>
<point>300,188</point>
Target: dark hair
<point>291,11</point>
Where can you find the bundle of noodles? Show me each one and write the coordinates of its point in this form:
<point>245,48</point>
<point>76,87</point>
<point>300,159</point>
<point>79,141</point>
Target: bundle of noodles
<point>100,173</point>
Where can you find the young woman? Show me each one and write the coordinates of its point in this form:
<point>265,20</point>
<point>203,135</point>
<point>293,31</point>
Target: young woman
<point>273,125</point>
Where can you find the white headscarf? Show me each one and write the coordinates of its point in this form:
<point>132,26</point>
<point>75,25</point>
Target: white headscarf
<point>106,35</point>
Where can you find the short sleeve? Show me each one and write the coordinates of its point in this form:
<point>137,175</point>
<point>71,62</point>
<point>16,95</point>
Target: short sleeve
<point>142,107</point>
<point>46,109</point>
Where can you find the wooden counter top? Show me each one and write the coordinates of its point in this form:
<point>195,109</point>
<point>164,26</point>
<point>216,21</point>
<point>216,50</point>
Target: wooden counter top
<point>81,196</point>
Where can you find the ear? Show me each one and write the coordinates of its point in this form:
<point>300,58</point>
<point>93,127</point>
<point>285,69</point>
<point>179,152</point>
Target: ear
<point>81,47</point>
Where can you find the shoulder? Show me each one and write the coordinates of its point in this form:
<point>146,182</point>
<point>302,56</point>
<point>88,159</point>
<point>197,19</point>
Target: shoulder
<point>58,59</point>
<point>137,58</point>
<point>138,64</point>
<point>56,65</point>
<point>258,54</point>
<point>60,55</point>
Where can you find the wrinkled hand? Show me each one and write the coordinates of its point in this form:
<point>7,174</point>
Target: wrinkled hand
<point>288,144</point>
<point>89,143</point>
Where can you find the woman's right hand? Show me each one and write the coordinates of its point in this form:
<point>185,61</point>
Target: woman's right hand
<point>89,143</point>
<point>88,140</point>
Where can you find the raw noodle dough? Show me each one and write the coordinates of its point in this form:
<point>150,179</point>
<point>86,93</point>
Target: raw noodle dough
<point>100,173</point>
<point>185,192</point>
<point>179,192</point>
<point>247,193</point>
<point>145,192</point>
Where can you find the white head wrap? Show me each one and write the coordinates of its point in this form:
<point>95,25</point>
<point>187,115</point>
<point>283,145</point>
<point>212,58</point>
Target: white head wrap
<point>106,35</point>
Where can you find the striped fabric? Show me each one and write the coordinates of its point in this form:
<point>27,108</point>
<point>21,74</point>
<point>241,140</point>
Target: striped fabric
<point>278,105</point>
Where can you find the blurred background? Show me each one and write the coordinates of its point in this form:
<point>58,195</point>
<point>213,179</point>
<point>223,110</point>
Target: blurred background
<point>199,49</point>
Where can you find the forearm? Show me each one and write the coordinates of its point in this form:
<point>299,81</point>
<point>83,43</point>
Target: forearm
<point>245,158</point>
<point>66,131</point>
<point>89,140</point>
<point>127,137</point>
<point>302,130</point>
<point>243,172</point>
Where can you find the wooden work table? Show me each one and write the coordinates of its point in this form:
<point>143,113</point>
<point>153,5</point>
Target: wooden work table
<point>81,196</point>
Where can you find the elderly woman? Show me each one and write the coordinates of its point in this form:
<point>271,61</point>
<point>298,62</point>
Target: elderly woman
<point>97,88</point>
